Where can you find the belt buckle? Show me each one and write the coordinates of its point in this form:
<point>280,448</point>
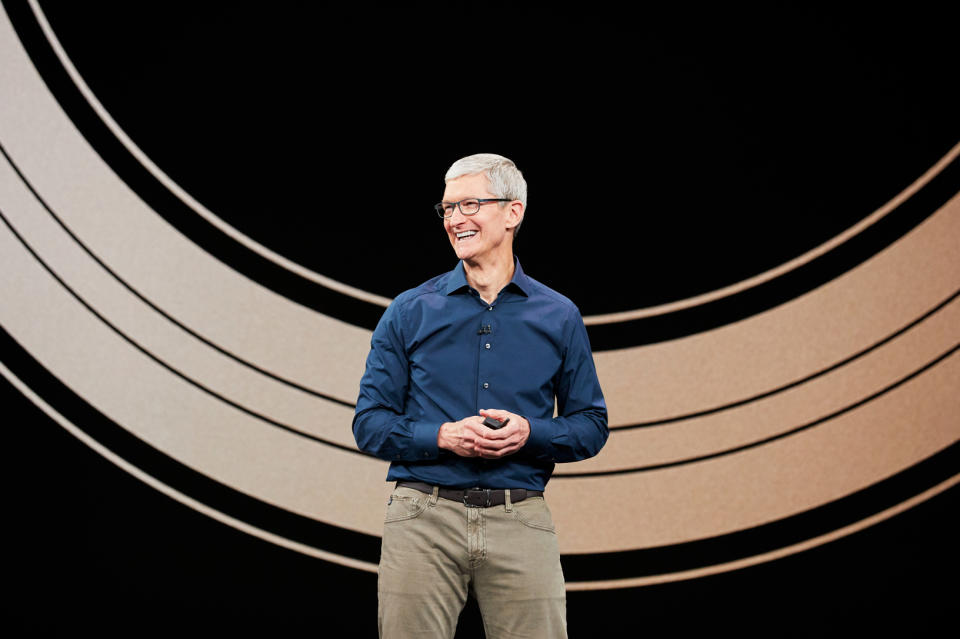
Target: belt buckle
<point>476,497</point>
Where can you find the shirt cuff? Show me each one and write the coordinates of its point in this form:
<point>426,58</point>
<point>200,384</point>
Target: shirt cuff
<point>425,440</point>
<point>541,434</point>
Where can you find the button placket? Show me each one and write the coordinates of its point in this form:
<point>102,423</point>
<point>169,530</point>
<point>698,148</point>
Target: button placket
<point>485,344</point>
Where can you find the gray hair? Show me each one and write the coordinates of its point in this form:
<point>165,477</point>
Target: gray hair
<point>505,178</point>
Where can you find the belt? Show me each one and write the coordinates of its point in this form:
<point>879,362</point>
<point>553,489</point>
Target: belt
<point>474,497</point>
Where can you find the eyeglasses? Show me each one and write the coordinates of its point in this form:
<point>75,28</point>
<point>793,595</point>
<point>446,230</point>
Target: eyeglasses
<point>469,206</point>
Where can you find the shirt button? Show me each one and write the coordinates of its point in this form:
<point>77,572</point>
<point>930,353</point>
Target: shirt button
<point>486,385</point>
<point>487,346</point>
<point>489,308</point>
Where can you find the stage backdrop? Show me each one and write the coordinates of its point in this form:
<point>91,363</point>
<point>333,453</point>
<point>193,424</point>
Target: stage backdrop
<point>205,211</point>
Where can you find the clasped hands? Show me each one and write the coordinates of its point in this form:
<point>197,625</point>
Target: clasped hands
<point>470,438</point>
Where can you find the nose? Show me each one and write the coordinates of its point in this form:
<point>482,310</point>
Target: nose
<point>457,215</point>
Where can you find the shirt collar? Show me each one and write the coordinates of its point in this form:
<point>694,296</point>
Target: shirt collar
<point>457,279</point>
<point>520,279</point>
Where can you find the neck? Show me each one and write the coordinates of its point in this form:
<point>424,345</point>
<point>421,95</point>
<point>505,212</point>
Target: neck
<point>490,276</point>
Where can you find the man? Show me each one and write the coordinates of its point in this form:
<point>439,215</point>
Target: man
<point>482,342</point>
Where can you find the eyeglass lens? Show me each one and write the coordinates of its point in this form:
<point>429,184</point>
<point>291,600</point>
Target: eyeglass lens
<point>467,207</point>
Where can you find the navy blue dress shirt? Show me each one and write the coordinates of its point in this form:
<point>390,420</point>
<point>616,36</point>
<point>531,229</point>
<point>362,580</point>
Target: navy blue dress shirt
<point>440,354</point>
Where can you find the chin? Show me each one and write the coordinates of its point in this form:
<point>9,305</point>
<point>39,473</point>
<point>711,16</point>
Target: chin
<point>463,252</point>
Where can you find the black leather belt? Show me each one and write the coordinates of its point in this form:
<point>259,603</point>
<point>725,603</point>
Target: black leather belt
<point>474,497</point>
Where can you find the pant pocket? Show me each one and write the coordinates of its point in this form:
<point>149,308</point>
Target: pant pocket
<point>534,513</point>
<point>403,506</point>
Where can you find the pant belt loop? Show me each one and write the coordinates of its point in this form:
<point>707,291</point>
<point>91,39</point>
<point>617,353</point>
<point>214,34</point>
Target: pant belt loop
<point>435,496</point>
<point>508,505</point>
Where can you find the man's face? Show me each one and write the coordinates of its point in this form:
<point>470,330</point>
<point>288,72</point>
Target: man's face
<point>484,233</point>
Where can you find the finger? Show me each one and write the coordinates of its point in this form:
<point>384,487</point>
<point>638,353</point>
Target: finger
<point>509,445</point>
<point>496,413</point>
<point>497,445</point>
<point>490,445</point>
<point>496,449</point>
<point>476,429</point>
<point>502,433</point>
<point>465,450</point>
<point>497,454</point>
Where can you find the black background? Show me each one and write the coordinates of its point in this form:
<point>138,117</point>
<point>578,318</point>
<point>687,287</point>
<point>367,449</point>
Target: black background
<point>668,153</point>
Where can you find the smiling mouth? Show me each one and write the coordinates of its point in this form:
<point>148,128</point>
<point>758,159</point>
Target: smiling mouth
<point>465,235</point>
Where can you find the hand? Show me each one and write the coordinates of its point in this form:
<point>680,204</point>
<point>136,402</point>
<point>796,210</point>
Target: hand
<point>463,436</point>
<point>504,441</point>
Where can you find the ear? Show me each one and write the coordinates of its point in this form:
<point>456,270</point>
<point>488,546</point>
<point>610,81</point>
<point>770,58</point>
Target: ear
<point>514,214</point>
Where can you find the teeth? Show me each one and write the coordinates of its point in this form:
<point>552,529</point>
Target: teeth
<point>464,234</point>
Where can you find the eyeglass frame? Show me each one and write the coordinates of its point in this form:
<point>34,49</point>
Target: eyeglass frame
<point>438,207</point>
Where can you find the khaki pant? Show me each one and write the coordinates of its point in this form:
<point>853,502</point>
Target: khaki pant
<point>436,550</point>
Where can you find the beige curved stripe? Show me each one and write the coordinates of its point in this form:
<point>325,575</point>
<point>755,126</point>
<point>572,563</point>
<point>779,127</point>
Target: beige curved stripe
<point>158,485</point>
<point>372,568</point>
<point>384,301</point>
<point>178,419</point>
<point>771,416</point>
<point>244,318</point>
<point>237,383</point>
<point>789,342</point>
<point>786,551</point>
<point>767,483</point>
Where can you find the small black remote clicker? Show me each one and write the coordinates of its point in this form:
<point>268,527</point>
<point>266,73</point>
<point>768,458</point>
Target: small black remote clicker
<point>490,422</point>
